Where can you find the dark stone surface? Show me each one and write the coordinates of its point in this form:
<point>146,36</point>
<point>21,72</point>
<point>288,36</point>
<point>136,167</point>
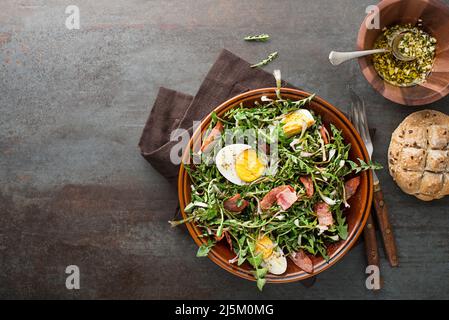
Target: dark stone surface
<point>75,190</point>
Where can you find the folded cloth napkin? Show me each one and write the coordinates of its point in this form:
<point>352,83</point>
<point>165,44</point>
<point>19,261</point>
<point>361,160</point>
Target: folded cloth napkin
<point>229,76</point>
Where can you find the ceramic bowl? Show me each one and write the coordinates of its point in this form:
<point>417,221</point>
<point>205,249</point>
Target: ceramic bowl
<point>435,20</point>
<point>356,215</point>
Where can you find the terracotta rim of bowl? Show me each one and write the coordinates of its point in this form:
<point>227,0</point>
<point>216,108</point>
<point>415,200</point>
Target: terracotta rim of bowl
<point>390,92</point>
<point>347,244</point>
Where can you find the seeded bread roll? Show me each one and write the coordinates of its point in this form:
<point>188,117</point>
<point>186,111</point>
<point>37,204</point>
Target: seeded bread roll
<point>418,155</point>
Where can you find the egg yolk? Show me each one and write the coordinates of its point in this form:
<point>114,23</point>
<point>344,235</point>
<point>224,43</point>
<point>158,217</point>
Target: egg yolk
<point>295,121</point>
<point>248,165</point>
<point>265,246</point>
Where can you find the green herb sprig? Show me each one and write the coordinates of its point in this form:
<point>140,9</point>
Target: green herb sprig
<point>266,61</point>
<point>258,38</point>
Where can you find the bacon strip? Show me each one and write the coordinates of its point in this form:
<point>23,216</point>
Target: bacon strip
<point>271,197</point>
<point>323,133</point>
<point>231,204</point>
<point>351,187</point>
<point>214,134</point>
<point>308,184</point>
<point>286,198</point>
<point>302,260</point>
<point>324,214</point>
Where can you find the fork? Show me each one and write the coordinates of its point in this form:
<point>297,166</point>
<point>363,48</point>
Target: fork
<point>369,233</point>
<point>358,115</point>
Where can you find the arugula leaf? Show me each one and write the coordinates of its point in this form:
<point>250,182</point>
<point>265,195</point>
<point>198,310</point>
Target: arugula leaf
<point>255,260</point>
<point>341,226</point>
<point>192,205</point>
<point>261,273</point>
<point>189,207</point>
<point>204,249</point>
<point>261,283</point>
<point>266,61</point>
<point>261,37</point>
<point>322,249</point>
<point>241,260</point>
<point>363,166</point>
<point>220,231</point>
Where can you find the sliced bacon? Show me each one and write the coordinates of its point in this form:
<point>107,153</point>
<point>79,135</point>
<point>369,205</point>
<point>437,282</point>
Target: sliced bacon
<point>214,134</point>
<point>308,184</point>
<point>351,187</point>
<point>232,204</point>
<point>286,198</point>
<point>302,260</point>
<point>323,133</point>
<point>324,214</point>
<point>271,197</point>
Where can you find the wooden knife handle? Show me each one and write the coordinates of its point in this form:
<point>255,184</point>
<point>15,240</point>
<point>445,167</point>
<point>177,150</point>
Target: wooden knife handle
<point>369,235</point>
<point>385,226</point>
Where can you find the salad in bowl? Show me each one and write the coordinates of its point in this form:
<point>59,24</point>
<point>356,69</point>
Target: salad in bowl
<point>267,187</point>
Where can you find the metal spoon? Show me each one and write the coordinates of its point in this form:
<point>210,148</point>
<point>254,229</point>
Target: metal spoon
<point>337,58</point>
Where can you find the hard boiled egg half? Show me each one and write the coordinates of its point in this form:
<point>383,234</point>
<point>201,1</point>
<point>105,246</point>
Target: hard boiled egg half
<point>240,164</point>
<point>272,256</point>
<point>296,121</point>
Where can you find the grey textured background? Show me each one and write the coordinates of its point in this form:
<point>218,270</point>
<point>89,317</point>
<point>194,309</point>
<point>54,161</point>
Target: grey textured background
<point>75,190</point>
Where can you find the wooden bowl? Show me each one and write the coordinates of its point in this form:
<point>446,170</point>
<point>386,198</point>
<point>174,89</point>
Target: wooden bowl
<point>435,17</point>
<point>356,215</point>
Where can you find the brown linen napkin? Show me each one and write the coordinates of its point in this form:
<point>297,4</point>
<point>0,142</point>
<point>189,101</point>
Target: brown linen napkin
<point>229,76</point>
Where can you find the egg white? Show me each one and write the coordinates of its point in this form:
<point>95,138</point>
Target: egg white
<point>306,116</point>
<point>276,263</point>
<point>225,161</point>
